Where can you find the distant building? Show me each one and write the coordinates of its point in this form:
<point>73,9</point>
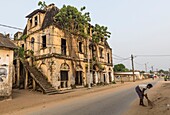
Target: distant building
<point>6,65</point>
<point>128,76</point>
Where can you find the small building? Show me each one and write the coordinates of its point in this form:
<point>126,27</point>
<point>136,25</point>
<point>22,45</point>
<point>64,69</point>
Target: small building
<point>127,76</point>
<point>6,65</point>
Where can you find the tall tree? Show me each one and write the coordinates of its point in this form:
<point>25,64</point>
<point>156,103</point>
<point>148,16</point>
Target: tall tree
<point>120,68</point>
<point>100,32</point>
<point>73,21</point>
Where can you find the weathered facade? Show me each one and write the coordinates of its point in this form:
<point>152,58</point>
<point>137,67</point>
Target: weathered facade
<point>6,65</point>
<point>63,59</point>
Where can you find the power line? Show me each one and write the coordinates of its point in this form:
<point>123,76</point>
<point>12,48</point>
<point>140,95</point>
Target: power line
<point>11,27</point>
<point>117,56</point>
<point>152,55</point>
<point>139,63</point>
<point>120,62</point>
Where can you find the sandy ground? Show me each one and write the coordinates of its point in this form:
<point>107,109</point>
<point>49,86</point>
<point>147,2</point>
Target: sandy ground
<point>160,97</point>
<point>23,99</point>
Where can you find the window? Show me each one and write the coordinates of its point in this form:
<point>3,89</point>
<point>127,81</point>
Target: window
<point>102,40</point>
<point>32,43</point>
<point>22,45</point>
<point>108,57</point>
<point>80,47</point>
<point>44,45</point>
<point>88,30</point>
<point>30,23</point>
<point>63,46</point>
<point>101,52</point>
<point>36,21</point>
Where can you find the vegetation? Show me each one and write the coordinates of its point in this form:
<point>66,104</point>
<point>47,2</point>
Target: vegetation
<point>23,37</point>
<point>120,68</point>
<point>20,52</point>
<point>100,32</point>
<point>42,4</point>
<point>73,21</point>
<point>161,71</point>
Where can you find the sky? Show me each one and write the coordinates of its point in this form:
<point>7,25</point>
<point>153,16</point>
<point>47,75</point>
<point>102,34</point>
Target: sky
<point>139,27</point>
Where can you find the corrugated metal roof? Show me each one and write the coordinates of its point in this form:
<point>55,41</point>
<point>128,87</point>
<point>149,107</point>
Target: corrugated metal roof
<point>6,42</point>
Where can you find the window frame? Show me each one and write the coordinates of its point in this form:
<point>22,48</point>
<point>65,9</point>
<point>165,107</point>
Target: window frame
<point>80,47</point>
<point>35,20</point>
<point>44,41</point>
<point>63,46</point>
<point>101,52</point>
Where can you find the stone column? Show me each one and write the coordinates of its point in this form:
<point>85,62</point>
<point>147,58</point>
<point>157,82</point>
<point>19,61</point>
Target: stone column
<point>18,72</point>
<point>34,84</point>
<point>26,79</point>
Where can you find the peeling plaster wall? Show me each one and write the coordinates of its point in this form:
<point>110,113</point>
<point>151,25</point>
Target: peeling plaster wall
<point>50,67</point>
<point>6,72</point>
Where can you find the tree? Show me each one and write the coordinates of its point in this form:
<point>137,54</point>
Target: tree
<point>100,32</point>
<point>120,68</point>
<point>42,4</point>
<point>73,21</point>
<point>161,71</point>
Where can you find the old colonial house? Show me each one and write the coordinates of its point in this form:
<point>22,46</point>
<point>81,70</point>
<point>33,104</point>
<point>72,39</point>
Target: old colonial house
<point>6,65</point>
<point>61,60</point>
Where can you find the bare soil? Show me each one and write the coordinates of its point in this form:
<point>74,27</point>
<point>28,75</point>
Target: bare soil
<point>24,99</point>
<point>160,98</point>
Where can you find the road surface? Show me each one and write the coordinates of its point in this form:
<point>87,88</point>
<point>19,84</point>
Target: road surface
<point>109,102</point>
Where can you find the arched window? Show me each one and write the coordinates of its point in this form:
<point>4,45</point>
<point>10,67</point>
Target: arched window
<point>32,43</point>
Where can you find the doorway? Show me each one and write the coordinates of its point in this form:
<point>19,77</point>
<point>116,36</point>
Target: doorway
<point>79,78</point>
<point>104,76</point>
<point>110,77</point>
<point>64,78</point>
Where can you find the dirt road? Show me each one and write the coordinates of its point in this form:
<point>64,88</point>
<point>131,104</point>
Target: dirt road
<point>160,97</point>
<point>25,100</point>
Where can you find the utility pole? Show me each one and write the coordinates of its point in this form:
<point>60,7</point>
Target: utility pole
<point>133,68</point>
<point>146,68</point>
<point>152,68</point>
<point>88,71</point>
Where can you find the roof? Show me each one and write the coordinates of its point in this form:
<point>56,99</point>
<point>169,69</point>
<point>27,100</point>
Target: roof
<point>126,73</point>
<point>49,17</point>
<point>34,12</point>
<point>107,44</point>
<point>25,31</point>
<point>50,11</point>
<point>6,42</point>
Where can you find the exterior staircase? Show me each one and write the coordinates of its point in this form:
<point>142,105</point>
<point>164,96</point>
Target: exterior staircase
<point>40,79</point>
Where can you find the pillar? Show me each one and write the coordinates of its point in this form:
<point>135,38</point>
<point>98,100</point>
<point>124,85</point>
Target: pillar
<point>26,79</point>
<point>34,84</point>
<point>18,72</point>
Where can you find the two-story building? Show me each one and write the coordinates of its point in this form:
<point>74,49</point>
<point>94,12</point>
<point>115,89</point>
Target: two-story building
<point>63,60</point>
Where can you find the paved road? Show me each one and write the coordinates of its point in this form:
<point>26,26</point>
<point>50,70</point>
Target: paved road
<point>110,102</point>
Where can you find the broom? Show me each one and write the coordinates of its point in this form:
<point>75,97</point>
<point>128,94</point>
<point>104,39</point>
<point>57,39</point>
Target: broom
<point>150,103</point>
